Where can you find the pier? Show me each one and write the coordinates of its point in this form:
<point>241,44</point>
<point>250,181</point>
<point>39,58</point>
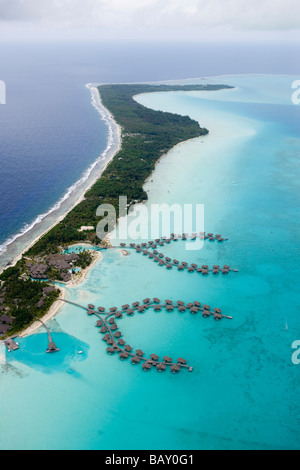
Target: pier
<point>163,261</point>
<point>51,346</point>
<point>116,344</point>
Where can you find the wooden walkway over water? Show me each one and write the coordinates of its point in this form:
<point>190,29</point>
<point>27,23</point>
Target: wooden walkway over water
<point>113,336</point>
<point>152,249</point>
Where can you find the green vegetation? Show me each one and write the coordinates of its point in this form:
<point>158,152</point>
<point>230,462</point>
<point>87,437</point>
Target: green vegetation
<point>146,136</point>
<point>23,298</point>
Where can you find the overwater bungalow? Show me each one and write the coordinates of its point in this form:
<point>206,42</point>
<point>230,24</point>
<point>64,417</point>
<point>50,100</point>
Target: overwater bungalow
<point>146,366</point>
<point>135,304</point>
<point>197,304</point>
<point>91,306</point>
<point>147,301</point>
<point>180,267</point>
<point>191,270</point>
<point>121,342</point>
<point>110,350</point>
<point>157,308</point>
<point>175,368</point>
<point>160,366</point>
<point>206,307</point>
<point>194,310</point>
<point>217,316</point>
<point>170,308</point>
<point>130,311</point>
<point>123,355</point>
<point>167,359</point>
<point>181,361</point>
<point>114,327</point>
<point>168,259</point>
<point>169,302</point>
<point>155,252</point>
<point>101,309</point>
<point>184,263</point>
<point>206,313</point>
<point>204,266</point>
<point>125,307</point>
<point>145,252</point>
<point>139,353</point>
<point>103,329</point>
<point>154,357</point>
<point>205,272</point>
<point>156,300</point>
<point>118,334</point>
<point>141,309</point>
<point>135,360</point>
<point>118,315</point>
<point>175,261</point>
<point>128,348</point>
<point>113,309</point>
<point>151,255</point>
<point>179,302</point>
<point>169,266</point>
<point>182,309</point>
<point>111,321</point>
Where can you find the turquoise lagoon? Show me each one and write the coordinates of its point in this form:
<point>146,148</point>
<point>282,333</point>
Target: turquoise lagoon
<point>243,392</point>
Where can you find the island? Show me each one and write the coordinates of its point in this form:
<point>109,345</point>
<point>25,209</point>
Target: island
<point>26,288</point>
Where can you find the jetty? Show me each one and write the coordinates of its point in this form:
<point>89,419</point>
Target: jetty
<point>11,344</point>
<point>163,261</point>
<point>51,346</point>
<point>106,322</point>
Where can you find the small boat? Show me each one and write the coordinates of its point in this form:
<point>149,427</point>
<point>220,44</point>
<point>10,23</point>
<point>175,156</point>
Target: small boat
<point>80,352</point>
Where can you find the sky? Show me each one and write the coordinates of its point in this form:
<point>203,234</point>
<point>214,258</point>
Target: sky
<point>150,19</point>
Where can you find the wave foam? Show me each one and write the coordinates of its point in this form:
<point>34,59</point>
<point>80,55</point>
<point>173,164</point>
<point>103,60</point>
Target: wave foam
<point>96,103</point>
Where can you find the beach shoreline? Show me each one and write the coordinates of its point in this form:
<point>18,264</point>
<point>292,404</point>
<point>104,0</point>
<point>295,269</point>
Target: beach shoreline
<point>114,147</point>
<point>58,304</point>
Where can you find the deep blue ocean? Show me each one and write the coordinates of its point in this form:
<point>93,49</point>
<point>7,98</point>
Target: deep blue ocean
<point>243,392</point>
<point>50,133</point>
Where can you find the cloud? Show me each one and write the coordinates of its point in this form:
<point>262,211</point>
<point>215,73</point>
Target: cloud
<point>53,11</point>
<point>151,18</point>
